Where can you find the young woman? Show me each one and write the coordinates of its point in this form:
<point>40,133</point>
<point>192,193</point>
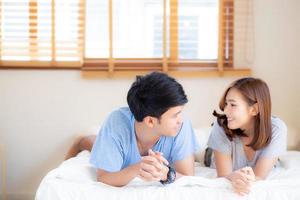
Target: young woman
<point>246,141</point>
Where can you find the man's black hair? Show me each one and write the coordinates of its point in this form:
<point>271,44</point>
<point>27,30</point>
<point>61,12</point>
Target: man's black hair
<point>153,94</point>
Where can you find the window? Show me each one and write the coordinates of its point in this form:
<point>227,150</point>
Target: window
<point>41,33</point>
<point>118,35</point>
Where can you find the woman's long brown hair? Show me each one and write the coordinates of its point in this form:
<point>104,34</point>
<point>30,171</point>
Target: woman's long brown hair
<point>254,91</point>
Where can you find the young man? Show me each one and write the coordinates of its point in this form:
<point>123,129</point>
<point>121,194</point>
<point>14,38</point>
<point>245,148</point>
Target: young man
<point>149,139</point>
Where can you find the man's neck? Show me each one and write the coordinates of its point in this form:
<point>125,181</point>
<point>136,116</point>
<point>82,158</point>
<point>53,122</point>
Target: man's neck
<point>145,136</point>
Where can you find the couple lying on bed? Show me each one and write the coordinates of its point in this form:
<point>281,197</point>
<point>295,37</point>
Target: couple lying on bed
<point>153,141</point>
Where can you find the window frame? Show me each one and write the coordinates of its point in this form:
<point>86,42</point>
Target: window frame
<point>224,65</point>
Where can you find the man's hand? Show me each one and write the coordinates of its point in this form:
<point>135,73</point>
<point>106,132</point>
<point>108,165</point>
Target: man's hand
<point>242,180</point>
<point>153,167</point>
<point>163,161</point>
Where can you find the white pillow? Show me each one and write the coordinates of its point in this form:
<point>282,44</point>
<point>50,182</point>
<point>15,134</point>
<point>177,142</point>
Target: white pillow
<point>77,169</point>
<point>202,135</point>
<point>290,160</point>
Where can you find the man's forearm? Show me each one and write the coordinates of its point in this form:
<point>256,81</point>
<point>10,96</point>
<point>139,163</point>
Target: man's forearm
<point>185,167</point>
<point>120,178</point>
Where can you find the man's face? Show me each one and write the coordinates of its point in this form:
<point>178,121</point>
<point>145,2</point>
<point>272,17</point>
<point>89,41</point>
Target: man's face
<point>170,122</point>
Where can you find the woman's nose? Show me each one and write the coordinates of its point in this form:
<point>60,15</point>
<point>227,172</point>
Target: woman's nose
<point>226,110</point>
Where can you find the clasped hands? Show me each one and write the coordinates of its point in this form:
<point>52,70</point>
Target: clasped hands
<point>153,167</point>
<point>242,180</point>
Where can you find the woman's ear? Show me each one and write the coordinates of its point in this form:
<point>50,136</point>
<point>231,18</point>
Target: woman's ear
<point>254,109</point>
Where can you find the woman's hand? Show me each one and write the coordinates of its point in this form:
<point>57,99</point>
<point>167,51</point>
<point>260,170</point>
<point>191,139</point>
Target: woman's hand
<point>242,180</point>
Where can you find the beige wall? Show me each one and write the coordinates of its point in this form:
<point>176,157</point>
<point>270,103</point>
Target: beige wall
<point>41,111</point>
<point>277,58</point>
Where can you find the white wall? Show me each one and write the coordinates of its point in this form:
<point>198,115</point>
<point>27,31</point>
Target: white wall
<point>41,111</point>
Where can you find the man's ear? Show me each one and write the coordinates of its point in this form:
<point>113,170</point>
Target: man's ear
<point>149,121</point>
<point>254,109</point>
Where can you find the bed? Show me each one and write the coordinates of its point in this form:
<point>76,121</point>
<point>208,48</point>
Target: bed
<point>75,179</point>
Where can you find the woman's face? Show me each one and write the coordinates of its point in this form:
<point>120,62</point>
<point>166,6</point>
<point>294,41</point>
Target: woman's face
<point>239,114</point>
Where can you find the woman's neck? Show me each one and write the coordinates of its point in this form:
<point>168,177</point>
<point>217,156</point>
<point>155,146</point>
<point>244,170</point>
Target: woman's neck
<point>249,128</point>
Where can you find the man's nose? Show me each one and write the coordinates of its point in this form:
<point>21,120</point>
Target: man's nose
<point>180,119</point>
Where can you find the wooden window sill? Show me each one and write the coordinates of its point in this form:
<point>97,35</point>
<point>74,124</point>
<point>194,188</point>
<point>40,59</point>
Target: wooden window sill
<point>90,74</point>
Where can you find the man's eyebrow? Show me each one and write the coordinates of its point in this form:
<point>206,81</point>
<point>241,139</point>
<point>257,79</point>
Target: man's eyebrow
<point>178,112</point>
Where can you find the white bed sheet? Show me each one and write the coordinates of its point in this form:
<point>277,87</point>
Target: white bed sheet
<point>75,179</point>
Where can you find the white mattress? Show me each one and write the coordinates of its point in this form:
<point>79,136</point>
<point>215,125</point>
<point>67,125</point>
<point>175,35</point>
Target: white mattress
<point>76,179</point>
